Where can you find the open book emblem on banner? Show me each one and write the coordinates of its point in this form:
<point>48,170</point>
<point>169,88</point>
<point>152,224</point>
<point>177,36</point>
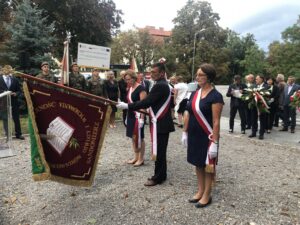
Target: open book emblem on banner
<point>60,132</point>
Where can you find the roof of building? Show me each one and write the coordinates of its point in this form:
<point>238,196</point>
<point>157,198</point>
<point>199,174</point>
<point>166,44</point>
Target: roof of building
<point>157,32</point>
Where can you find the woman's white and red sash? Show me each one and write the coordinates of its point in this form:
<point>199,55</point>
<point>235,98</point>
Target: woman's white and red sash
<point>153,128</point>
<point>205,126</point>
<point>136,135</point>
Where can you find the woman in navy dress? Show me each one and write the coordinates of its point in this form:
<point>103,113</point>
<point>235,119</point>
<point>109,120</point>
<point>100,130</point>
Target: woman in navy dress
<point>201,132</point>
<point>135,120</point>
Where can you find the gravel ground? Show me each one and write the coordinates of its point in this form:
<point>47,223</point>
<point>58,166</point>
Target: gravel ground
<point>257,183</point>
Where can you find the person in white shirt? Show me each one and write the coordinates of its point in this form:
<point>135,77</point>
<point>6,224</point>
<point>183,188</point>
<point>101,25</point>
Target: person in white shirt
<point>180,98</point>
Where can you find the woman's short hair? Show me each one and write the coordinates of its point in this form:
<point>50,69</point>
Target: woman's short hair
<point>271,78</point>
<point>131,73</point>
<point>209,70</point>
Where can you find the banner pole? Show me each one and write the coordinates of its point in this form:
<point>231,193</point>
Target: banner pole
<point>106,100</point>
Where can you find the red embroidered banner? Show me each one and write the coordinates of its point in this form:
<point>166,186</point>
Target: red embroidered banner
<point>69,129</point>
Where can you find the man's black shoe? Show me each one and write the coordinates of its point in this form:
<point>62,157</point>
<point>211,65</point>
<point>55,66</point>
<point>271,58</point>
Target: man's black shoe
<point>261,137</point>
<point>252,135</point>
<point>243,132</point>
<point>20,137</point>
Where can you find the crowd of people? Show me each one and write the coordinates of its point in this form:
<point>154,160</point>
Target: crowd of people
<point>168,102</point>
<point>278,104</point>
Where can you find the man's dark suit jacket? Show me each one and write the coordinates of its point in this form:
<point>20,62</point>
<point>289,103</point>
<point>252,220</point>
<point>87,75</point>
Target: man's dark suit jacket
<point>287,95</point>
<point>123,90</point>
<point>156,98</point>
<point>235,102</point>
<point>14,87</point>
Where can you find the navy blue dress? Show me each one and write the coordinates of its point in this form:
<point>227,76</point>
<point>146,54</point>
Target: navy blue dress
<point>135,96</point>
<point>197,138</point>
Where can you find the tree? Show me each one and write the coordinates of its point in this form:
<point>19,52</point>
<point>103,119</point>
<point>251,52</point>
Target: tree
<point>196,21</point>
<point>285,57</point>
<point>237,47</point>
<point>30,38</point>
<point>89,21</point>
<point>254,61</point>
<point>138,44</point>
<point>5,17</point>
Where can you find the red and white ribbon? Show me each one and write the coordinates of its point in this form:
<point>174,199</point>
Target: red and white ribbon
<point>153,126</point>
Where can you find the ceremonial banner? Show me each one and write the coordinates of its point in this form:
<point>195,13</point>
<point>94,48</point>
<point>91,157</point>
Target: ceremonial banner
<point>67,132</point>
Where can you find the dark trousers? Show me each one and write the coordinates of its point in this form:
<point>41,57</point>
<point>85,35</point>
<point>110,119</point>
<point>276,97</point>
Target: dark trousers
<point>289,115</point>
<point>271,116</point>
<point>248,117</point>
<point>233,111</point>
<point>16,118</point>
<point>262,121</point>
<point>5,126</point>
<point>279,115</point>
<point>124,115</point>
<point>160,171</point>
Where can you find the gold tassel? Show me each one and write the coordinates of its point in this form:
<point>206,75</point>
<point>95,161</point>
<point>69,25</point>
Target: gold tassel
<point>209,169</point>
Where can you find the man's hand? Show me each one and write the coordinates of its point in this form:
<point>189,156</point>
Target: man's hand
<point>122,105</point>
<point>213,150</point>
<point>184,139</point>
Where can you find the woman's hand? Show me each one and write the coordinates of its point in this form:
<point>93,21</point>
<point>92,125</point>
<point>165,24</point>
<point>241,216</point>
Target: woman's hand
<point>184,138</point>
<point>213,150</point>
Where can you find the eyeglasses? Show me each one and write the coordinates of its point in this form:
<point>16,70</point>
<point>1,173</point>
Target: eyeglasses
<point>201,75</point>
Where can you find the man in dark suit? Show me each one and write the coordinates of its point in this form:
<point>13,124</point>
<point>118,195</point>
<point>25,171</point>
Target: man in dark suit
<point>145,83</point>
<point>260,84</point>
<point>236,104</point>
<point>10,83</point>
<point>158,100</point>
<point>289,113</point>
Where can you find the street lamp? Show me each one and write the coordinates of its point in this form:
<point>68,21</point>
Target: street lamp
<point>193,66</point>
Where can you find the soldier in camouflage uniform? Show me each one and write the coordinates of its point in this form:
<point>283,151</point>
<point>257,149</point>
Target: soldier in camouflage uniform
<point>95,85</point>
<point>45,74</point>
<point>76,79</point>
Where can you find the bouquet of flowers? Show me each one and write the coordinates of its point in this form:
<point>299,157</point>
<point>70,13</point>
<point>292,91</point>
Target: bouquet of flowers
<point>257,97</point>
<point>295,100</point>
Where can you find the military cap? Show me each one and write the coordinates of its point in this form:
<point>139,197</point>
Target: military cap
<point>44,63</point>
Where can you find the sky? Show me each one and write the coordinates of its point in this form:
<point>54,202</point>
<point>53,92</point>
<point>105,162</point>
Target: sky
<point>266,19</point>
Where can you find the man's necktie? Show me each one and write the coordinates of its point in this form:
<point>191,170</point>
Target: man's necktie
<point>7,81</point>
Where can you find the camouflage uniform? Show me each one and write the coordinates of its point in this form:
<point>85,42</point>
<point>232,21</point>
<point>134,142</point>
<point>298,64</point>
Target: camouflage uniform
<point>49,77</point>
<point>77,81</point>
<point>96,87</point>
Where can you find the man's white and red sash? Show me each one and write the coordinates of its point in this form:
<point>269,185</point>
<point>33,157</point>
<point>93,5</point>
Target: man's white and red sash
<point>153,126</point>
<point>136,135</point>
<point>203,123</point>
